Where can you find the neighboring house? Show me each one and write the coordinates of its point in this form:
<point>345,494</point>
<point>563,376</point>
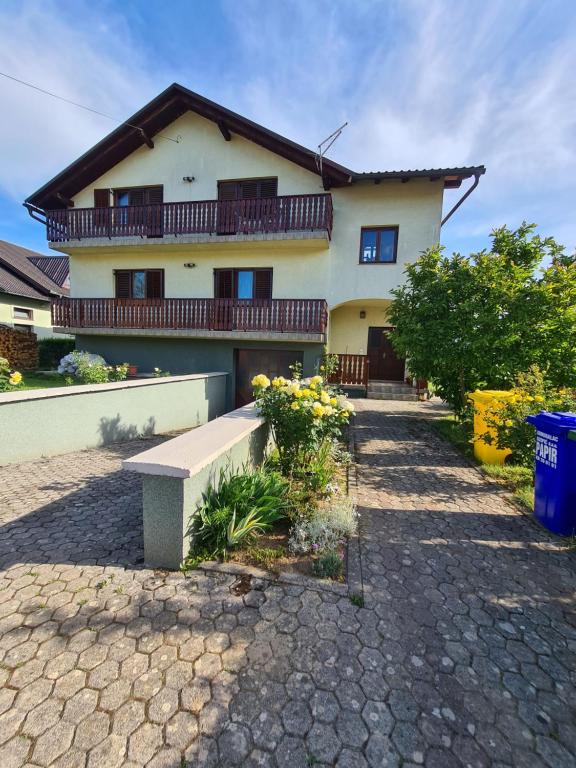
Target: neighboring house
<point>28,283</point>
<point>199,240</point>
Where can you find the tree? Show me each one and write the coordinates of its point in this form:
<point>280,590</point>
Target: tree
<point>478,321</point>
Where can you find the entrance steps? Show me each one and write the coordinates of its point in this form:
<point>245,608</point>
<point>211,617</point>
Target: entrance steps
<point>391,390</point>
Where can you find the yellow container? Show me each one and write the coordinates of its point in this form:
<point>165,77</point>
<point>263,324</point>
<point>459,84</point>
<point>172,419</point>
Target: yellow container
<point>488,400</point>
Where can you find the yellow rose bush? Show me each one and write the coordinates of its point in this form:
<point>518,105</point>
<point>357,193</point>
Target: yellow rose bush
<point>302,414</point>
<point>531,394</point>
<point>8,379</point>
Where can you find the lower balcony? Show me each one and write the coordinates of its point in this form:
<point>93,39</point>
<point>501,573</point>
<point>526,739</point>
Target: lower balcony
<point>280,319</point>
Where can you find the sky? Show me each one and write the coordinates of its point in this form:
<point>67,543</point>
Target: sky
<point>422,84</point>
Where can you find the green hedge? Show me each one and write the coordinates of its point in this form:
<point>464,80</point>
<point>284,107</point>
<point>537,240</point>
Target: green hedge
<point>51,350</point>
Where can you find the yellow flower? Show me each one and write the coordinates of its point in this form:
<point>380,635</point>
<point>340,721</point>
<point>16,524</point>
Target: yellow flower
<point>509,423</point>
<point>539,399</point>
<point>295,406</point>
<point>328,410</point>
<point>261,381</point>
<point>299,393</point>
<point>279,381</point>
<point>529,398</point>
<point>318,409</point>
<point>306,392</point>
<point>333,401</point>
<point>15,379</point>
<point>315,380</point>
<point>324,398</point>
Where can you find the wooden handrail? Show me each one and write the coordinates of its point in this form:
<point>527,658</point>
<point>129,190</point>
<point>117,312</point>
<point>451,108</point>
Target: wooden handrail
<point>210,217</point>
<point>352,370</point>
<point>276,315</point>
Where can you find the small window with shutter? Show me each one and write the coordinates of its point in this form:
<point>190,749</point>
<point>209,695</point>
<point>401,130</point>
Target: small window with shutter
<point>138,196</point>
<point>139,283</point>
<point>243,284</point>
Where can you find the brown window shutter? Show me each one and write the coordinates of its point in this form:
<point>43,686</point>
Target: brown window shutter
<point>155,195</point>
<point>223,284</point>
<point>137,197</point>
<point>227,190</point>
<point>123,283</point>
<point>249,190</point>
<point>268,188</point>
<point>263,284</point>
<point>101,198</point>
<point>155,284</point>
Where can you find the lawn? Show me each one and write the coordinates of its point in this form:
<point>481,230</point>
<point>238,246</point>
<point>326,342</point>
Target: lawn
<point>518,480</point>
<point>35,380</point>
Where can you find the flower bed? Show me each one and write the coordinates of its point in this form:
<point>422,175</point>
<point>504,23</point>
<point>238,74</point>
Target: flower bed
<point>293,513</point>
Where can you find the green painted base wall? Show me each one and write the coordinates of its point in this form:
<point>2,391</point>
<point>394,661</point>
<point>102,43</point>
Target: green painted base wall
<point>180,356</point>
<point>72,419</point>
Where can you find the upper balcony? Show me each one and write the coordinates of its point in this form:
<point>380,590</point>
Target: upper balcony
<point>285,217</point>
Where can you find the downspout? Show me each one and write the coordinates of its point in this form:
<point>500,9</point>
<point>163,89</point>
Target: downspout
<point>464,196</point>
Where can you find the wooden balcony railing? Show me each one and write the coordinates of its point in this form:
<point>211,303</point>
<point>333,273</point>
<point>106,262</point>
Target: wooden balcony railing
<point>209,217</point>
<point>276,315</point>
<point>352,370</point>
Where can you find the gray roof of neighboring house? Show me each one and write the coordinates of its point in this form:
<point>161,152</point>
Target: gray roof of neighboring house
<point>56,267</point>
<point>20,277</point>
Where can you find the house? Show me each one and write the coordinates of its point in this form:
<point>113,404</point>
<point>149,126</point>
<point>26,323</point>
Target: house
<point>199,240</point>
<point>28,283</point>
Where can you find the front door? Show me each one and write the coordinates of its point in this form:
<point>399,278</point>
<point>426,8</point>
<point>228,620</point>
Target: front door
<point>385,365</point>
<point>251,362</point>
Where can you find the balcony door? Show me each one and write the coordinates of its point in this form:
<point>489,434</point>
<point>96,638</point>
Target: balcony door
<point>252,291</point>
<point>247,205</point>
<point>144,214</point>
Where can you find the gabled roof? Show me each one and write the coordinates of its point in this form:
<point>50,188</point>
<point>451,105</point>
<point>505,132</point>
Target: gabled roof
<point>176,100</point>
<point>20,277</point>
<point>57,268</point>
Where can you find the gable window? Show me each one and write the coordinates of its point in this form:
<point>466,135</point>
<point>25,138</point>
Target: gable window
<point>243,284</point>
<point>247,189</point>
<point>378,245</point>
<point>139,283</point>
<point>21,313</point>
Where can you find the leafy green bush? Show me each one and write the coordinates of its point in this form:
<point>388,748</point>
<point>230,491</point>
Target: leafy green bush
<point>303,414</point>
<point>328,566</point>
<point>51,350</point>
<point>238,508</point>
<point>469,322</point>
<point>532,393</point>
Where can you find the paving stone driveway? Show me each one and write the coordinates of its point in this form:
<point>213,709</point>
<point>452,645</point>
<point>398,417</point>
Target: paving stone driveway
<point>464,654</point>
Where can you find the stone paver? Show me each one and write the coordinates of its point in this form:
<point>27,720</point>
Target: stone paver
<point>464,653</point>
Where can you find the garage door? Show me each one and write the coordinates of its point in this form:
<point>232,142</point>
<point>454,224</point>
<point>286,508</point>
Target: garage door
<point>272,362</point>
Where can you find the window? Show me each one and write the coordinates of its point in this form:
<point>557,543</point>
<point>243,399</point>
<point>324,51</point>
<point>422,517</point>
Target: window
<point>21,313</point>
<point>24,328</point>
<point>247,189</point>
<point>139,196</point>
<point>243,284</point>
<point>378,245</point>
<point>139,283</point>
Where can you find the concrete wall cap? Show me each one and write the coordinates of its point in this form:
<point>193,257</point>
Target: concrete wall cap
<point>42,394</point>
<point>187,454</point>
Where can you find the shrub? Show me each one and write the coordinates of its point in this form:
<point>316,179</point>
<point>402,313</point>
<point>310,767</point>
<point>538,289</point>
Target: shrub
<point>531,394</point>
<point>51,350</point>
<point>90,369</point>
<point>241,506</point>
<point>303,414</point>
<point>329,566</point>
<point>325,530</point>
<point>9,379</point>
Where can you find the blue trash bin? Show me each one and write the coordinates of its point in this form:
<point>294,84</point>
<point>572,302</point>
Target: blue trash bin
<point>555,462</point>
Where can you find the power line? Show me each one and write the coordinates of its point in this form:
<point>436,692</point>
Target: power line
<point>81,106</point>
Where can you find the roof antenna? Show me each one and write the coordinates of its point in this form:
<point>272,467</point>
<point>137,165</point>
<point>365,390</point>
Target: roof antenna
<point>325,145</point>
